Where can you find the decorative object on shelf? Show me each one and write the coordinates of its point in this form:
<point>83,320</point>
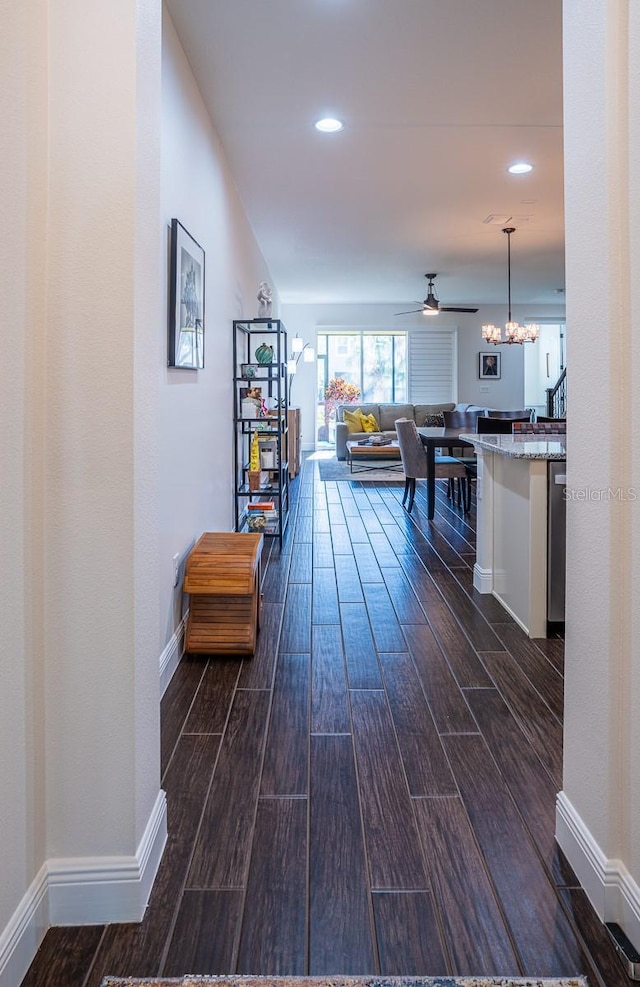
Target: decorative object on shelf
<point>254,452</point>
<point>248,371</point>
<point>264,354</point>
<point>261,514</point>
<point>254,472</point>
<point>514,332</point>
<point>186,300</point>
<point>489,366</point>
<point>264,300</point>
<point>268,454</point>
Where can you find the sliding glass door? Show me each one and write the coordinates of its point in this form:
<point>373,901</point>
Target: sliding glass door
<point>359,366</point>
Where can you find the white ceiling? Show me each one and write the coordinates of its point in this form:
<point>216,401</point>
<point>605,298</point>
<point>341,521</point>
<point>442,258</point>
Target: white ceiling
<point>438,97</point>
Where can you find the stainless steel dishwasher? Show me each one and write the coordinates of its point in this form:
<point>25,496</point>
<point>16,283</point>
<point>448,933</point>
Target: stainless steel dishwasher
<point>556,539</point>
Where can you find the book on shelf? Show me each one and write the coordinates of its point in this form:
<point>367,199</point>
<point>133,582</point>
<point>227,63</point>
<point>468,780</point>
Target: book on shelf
<point>261,505</point>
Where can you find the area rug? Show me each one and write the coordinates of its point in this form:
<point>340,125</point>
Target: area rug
<point>334,469</point>
<point>237,981</point>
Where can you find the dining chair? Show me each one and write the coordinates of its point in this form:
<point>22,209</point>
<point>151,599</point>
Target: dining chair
<point>414,464</point>
<point>494,426</point>
<point>461,419</point>
<point>523,415</point>
<point>543,418</point>
<point>466,421</point>
<point>498,426</point>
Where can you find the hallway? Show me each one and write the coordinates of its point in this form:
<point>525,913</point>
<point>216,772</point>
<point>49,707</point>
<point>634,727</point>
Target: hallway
<point>374,791</point>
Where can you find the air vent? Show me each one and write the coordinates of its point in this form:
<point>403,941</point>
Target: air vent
<point>496,219</point>
<point>501,219</point>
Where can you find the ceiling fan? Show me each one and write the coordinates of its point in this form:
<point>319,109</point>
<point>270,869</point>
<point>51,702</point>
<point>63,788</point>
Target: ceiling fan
<point>431,305</point>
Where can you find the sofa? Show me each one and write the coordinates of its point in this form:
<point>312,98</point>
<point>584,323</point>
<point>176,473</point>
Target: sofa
<point>386,416</point>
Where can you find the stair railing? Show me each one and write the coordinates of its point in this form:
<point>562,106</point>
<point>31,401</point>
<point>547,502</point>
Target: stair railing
<point>557,397</point>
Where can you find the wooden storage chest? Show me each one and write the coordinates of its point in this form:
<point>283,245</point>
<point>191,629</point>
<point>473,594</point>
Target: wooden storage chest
<point>222,577</point>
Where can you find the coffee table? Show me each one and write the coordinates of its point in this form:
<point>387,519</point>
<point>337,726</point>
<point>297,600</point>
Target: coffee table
<point>370,457</point>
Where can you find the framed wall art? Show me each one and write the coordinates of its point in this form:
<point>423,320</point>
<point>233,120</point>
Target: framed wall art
<point>186,300</point>
<point>489,366</point>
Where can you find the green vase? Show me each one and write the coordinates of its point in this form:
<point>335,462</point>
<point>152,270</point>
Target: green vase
<point>264,354</point>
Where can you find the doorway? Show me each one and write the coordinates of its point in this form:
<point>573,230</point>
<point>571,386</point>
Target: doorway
<point>543,364</point>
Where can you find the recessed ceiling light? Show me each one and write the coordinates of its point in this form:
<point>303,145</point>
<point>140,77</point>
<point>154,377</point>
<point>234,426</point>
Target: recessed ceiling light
<point>329,125</point>
<point>520,168</point>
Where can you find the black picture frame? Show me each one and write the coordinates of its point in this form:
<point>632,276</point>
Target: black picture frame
<point>186,300</point>
<point>489,366</point>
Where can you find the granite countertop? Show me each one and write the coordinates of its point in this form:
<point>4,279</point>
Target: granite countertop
<point>527,446</point>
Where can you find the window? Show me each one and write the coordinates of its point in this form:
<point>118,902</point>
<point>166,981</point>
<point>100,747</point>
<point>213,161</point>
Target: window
<point>367,366</point>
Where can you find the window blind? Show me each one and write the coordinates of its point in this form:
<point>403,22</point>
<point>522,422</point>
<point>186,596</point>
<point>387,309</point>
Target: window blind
<point>432,365</point>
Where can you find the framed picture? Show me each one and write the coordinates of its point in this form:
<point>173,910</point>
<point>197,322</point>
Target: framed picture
<point>248,370</point>
<point>489,366</point>
<point>250,402</point>
<point>186,300</point>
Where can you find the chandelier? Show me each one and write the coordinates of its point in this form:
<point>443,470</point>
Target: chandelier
<point>514,332</point>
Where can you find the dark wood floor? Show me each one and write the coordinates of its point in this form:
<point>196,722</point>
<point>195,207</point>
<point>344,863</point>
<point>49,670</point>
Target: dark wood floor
<point>374,791</point>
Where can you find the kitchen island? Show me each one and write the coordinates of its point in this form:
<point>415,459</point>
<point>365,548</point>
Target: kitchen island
<point>512,522</point>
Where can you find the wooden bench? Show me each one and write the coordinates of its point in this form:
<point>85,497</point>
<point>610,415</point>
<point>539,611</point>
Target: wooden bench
<point>222,577</point>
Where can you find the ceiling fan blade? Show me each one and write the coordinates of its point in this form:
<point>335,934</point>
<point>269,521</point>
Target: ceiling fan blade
<point>411,312</point>
<point>449,308</point>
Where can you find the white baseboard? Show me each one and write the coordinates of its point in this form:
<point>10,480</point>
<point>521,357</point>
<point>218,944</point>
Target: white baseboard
<point>611,889</point>
<point>89,891</point>
<point>482,579</point>
<point>97,890</point>
<point>170,657</point>
<point>83,891</point>
<point>20,940</point>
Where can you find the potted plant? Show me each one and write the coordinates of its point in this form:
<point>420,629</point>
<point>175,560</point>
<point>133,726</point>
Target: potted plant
<point>338,391</point>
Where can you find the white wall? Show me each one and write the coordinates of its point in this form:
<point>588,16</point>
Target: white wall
<point>508,392</point>
<point>79,700</point>
<point>598,823</point>
<point>22,413</point>
<point>111,462</point>
<point>196,408</point>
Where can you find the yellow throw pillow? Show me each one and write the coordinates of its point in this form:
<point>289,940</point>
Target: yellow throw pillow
<point>353,420</point>
<point>369,423</point>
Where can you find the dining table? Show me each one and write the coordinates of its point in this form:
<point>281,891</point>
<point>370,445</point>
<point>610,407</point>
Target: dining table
<point>438,438</point>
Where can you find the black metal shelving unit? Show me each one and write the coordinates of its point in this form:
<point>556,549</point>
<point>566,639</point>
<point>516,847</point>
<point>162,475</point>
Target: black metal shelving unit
<point>271,378</point>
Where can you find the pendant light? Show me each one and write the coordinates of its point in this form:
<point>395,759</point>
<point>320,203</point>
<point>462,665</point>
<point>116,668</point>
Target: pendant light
<point>514,332</point>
